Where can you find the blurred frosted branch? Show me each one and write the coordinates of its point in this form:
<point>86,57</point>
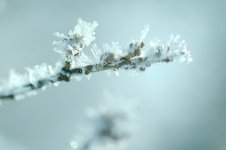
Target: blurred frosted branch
<point>109,126</point>
<point>78,60</point>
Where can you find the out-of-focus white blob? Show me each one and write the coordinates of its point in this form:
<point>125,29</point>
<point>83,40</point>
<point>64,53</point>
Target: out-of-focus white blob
<point>109,125</point>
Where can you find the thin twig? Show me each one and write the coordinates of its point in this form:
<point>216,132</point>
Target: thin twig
<point>126,63</point>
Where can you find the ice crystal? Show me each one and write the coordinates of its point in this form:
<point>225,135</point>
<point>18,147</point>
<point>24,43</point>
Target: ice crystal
<point>96,53</point>
<point>144,33</point>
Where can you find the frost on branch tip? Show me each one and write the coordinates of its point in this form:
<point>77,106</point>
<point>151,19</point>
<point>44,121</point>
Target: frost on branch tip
<point>80,59</point>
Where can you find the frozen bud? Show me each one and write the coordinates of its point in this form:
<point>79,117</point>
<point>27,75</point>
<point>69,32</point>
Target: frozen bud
<point>135,49</point>
<point>130,45</point>
<point>141,44</point>
<point>107,58</point>
<point>142,69</point>
<point>137,52</point>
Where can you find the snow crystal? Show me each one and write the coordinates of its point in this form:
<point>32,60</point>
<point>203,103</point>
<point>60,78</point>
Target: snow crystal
<point>144,33</point>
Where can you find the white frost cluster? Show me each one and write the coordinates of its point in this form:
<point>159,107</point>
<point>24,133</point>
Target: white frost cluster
<point>179,47</point>
<point>75,40</point>
<point>15,79</point>
<point>39,72</point>
<point>84,30</point>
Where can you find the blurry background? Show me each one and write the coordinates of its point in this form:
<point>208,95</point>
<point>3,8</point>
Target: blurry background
<point>181,107</point>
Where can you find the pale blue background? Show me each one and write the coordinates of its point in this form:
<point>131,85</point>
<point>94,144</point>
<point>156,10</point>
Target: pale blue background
<point>181,107</point>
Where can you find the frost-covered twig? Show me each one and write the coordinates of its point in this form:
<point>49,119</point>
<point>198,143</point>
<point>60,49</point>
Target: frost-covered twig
<point>78,60</point>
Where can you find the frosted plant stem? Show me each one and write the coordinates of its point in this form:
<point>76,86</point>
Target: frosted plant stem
<point>77,61</point>
<point>127,62</point>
